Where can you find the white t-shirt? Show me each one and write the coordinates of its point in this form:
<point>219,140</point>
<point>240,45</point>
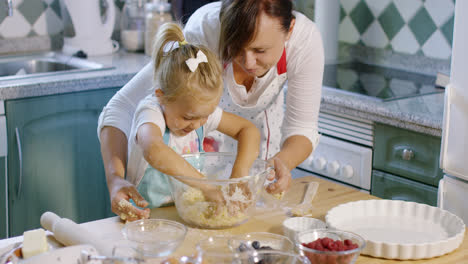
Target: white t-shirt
<point>149,111</point>
<point>305,62</point>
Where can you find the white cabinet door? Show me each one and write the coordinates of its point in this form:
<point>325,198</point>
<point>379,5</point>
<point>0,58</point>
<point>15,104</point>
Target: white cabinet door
<point>453,194</point>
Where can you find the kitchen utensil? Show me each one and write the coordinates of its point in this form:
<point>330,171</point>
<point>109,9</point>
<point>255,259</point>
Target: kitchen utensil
<point>305,207</point>
<point>399,229</point>
<point>239,194</point>
<point>294,225</point>
<point>217,249</point>
<point>320,256</point>
<point>84,28</point>
<point>255,240</point>
<point>72,254</point>
<point>70,233</point>
<point>155,237</point>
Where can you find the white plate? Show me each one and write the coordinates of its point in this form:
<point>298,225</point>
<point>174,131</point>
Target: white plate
<point>399,229</point>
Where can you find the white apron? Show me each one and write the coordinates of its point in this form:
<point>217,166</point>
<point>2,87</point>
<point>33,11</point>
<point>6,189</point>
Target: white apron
<point>267,114</point>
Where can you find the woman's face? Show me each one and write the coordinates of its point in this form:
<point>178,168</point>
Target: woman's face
<point>186,114</point>
<point>265,50</point>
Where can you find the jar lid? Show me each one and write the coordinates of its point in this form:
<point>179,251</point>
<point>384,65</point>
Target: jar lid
<point>158,7</point>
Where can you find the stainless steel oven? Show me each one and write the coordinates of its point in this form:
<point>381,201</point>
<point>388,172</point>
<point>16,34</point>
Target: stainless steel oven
<point>344,153</point>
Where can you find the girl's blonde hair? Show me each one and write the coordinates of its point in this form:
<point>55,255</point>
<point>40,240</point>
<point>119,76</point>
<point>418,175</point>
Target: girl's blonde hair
<point>174,76</point>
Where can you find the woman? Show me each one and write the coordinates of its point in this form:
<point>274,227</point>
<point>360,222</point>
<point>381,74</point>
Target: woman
<point>262,43</point>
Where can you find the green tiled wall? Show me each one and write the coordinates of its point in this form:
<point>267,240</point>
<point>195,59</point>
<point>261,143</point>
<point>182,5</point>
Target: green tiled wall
<point>34,18</point>
<point>418,27</point>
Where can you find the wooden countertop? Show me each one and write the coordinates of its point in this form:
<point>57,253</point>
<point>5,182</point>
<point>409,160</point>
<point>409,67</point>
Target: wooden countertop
<point>328,196</point>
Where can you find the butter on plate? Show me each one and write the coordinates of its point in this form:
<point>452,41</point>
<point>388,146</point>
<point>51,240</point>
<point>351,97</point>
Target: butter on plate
<point>34,243</point>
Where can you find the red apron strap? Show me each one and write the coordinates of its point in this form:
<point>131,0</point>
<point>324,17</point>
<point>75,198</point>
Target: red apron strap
<point>281,65</point>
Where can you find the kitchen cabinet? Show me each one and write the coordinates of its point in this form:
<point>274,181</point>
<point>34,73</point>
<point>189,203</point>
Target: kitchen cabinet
<point>3,208</point>
<point>388,186</point>
<point>54,160</point>
<point>406,165</point>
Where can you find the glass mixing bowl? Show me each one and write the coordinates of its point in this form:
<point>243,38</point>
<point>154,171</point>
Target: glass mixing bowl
<point>238,195</point>
<point>155,237</point>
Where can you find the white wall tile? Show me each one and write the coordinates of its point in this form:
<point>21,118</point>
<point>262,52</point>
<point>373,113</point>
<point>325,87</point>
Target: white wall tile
<point>349,5</point>
<point>408,8</point>
<point>437,46</point>
<point>378,6</point>
<point>15,26</point>
<point>405,41</point>
<point>347,32</point>
<point>440,10</point>
<point>48,23</point>
<point>375,36</point>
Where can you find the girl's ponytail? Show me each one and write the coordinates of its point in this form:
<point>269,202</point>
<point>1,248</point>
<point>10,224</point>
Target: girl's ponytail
<point>172,73</point>
<point>168,32</point>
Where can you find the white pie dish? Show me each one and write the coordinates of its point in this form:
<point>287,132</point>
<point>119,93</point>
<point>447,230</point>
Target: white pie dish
<point>399,229</point>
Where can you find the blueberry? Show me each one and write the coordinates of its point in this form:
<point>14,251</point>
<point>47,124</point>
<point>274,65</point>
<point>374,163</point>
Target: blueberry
<point>242,247</point>
<point>256,245</point>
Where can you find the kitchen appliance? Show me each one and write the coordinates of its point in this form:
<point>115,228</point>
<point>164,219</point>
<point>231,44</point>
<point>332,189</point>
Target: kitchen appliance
<point>377,82</point>
<point>453,188</point>
<point>86,29</point>
<point>344,153</point>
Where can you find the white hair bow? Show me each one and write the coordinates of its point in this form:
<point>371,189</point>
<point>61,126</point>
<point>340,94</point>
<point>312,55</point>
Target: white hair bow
<point>192,63</point>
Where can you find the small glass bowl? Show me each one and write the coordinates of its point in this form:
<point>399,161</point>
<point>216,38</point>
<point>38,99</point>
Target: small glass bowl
<point>294,225</point>
<point>322,256</point>
<point>261,241</point>
<point>155,237</point>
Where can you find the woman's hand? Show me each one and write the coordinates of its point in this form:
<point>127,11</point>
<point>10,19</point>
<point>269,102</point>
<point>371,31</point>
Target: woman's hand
<point>121,192</point>
<point>282,175</point>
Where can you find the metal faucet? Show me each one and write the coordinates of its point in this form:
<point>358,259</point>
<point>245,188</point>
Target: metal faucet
<point>10,7</point>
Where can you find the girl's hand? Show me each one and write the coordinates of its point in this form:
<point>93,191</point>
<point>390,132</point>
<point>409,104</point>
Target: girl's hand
<point>122,191</point>
<point>281,174</point>
<point>214,195</point>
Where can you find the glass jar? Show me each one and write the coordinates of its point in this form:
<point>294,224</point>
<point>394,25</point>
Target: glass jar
<point>132,27</point>
<point>157,13</point>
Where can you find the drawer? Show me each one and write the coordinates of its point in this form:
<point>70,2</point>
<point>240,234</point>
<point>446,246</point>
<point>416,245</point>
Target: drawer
<point>392,187</point>
<point>406,153</point>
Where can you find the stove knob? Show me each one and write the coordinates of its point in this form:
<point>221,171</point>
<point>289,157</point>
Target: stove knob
<point>347,171</point>
<point>319,163</point>
<point>332,168</point>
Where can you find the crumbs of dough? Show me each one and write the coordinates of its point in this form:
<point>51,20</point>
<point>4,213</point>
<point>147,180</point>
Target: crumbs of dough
<point>193,208</point>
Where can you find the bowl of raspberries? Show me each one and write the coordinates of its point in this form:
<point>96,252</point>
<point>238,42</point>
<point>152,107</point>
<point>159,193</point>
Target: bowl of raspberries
<point>328,246</point>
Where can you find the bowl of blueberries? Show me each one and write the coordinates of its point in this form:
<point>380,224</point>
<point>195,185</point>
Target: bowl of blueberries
<point>261,241</point>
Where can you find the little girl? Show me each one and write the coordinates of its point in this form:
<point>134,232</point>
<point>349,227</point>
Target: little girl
<point>174,119</point>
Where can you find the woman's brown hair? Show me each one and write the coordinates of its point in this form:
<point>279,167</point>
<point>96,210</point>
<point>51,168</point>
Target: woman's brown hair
<point>239,20</point>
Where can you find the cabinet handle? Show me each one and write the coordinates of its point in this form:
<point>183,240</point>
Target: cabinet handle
<point>20,157</point>
<point>407,154</point>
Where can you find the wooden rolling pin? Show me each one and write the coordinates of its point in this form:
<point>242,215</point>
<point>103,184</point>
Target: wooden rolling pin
<point>70,233</point>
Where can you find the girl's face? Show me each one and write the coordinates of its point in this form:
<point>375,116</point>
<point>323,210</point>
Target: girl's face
<point>186,114</point>
<point>265,50</point>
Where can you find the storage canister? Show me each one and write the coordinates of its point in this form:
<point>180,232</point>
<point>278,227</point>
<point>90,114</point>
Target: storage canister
<point>157,13</point>
<point>132,27</point>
